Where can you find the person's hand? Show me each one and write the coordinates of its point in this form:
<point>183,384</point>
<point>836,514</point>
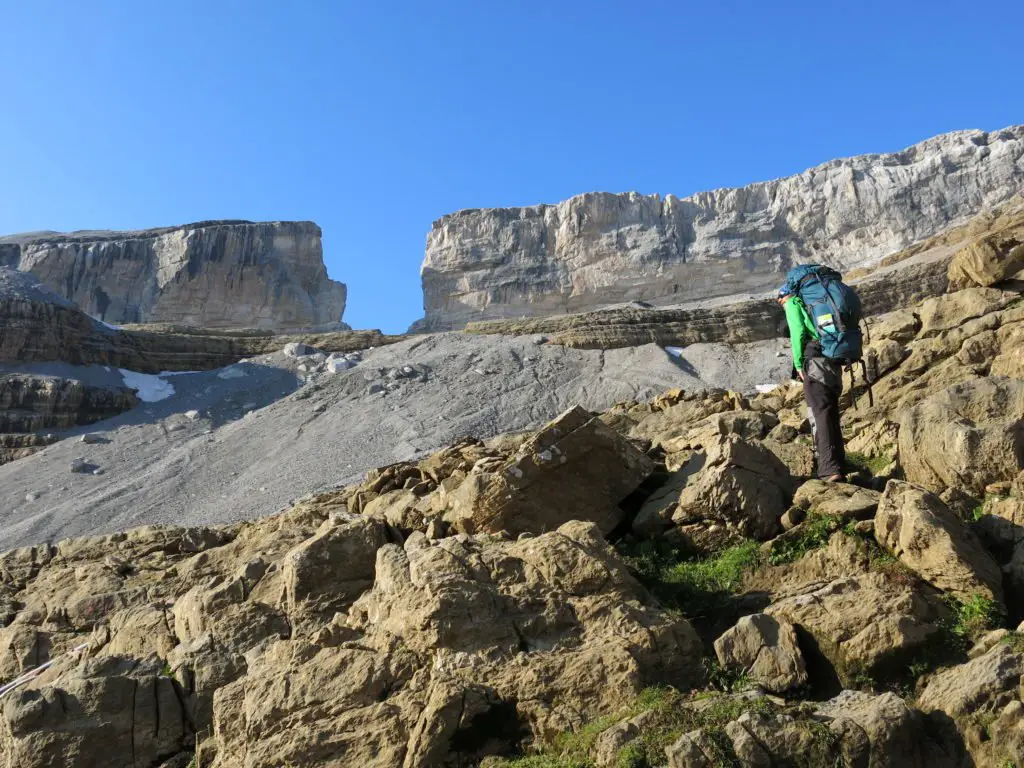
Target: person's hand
<point>800,374</point>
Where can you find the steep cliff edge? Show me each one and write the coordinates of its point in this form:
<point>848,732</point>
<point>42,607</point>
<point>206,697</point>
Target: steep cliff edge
<point>215,274</point>
<point>599,249</point>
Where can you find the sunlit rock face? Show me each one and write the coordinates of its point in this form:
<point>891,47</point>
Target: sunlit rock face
<point>598,248</point>
<point>222,274</point>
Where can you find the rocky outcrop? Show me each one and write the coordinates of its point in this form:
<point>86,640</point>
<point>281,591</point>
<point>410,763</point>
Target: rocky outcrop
<point>968,436</point>
<point>36,325</point>
<point>736,323</point>
<point>597,249</point>
<point>532,490</point>
<point>214,274</point>
<point>31,403</point>
<point>925,535</point>
<point>767,651</point>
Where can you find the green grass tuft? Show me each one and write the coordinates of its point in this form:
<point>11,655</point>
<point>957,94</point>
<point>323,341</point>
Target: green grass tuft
<point>974,617</point>
<point>813,533</point>
<point>872,464</point>
<point>694,587</point>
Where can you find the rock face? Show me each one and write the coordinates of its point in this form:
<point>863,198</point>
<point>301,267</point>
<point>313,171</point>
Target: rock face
<point>217,274</point>
<point>29,404</point>
<point>766,649</point>
<point>927,537</point>
<point>37,325</point>
<point>599,248</point>
<point>968,436</point>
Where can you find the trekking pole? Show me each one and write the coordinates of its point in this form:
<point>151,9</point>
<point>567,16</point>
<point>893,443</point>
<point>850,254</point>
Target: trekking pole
<point>34,673</point>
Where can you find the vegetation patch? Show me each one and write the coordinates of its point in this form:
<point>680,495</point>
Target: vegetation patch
<point>871,464</point>
<point>1016,641</point>
<point>692,586</point>
<point>668,714</point>
<point>973,617</point>
<point>813,533</point>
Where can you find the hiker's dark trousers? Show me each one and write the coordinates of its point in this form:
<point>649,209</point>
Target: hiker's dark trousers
<point>823,384</point>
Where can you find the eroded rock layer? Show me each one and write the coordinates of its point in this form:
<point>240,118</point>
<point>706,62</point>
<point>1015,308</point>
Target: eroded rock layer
<point>219,274</point>
<point>598,248</point>
<point>37,326</point>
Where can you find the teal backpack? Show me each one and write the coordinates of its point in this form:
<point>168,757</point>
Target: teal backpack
<point>835,310</point>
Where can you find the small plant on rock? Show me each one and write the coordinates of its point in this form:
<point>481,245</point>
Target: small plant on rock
<point>973,617</point>
<point>813,533</point>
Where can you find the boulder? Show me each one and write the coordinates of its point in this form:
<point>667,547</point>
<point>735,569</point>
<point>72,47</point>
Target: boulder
<point>842,500</point>
<point>986,261</point>
<point>928,538</point>
<point>326,573</point>
<point>865,624</point>
<point>900,326</point>
<point>575,468</point>
<point>983,699</point>
<point>766,649</point>
<point>742,484</point>
<point>970,435</point>
<point>944,313</point>
<point>883,730</point>
<point>298,349</point>
<point>337,363</point>
<point>988,682</point>
<point>113,711</point>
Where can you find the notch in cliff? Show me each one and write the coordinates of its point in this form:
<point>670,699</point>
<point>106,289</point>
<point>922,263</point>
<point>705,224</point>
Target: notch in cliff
<point>600,249</point>
<point>212,274</point>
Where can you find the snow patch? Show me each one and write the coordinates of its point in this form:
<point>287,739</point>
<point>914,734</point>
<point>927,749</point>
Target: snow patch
<point>106,324</point>
<point>232,372</point>
<point>764,389</point>
<point>149,388</point>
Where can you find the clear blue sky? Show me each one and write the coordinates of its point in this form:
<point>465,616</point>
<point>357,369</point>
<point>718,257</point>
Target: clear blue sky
<point>375,118</point>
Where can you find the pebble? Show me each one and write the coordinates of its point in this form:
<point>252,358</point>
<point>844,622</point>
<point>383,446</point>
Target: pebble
<point>31,496</point>
<point>192,415</point>
<point>91,439</point>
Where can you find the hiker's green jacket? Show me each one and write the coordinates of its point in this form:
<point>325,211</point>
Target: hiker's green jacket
<point>801,328</point>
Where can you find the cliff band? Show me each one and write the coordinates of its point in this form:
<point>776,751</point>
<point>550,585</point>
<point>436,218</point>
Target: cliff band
<point>215,274</point>
<point>598,249</point>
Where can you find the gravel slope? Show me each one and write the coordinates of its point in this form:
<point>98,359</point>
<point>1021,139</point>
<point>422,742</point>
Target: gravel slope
<point>265,438</point>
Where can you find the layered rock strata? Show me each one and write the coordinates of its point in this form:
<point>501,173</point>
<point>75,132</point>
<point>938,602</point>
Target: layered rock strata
<point>37,326</point>
<point>598,249</point>
<point>754,320</point>
<point>29,404</point>
<point>215,274</point>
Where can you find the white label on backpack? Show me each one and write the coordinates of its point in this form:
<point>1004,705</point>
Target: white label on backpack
<point>825,321</point>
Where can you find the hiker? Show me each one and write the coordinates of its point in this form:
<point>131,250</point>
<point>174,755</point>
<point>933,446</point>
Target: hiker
<point>823,315</point>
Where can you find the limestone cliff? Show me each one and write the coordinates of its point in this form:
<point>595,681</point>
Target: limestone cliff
<point>214,274</point>
<point>598,249</point>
